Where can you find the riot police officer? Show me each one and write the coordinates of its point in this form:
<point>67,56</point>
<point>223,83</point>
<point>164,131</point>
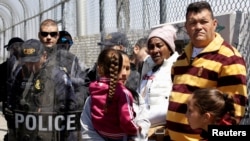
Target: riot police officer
<point>43,101</point>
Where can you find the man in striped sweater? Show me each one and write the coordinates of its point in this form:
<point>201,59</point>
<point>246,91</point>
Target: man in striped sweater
<point>207,61</point>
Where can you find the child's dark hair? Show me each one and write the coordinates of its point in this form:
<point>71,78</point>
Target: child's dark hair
<point>109,65</point>
<point>215,102</point>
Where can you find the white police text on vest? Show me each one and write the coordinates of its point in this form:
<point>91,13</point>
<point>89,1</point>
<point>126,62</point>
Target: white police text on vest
<point>45,122</point>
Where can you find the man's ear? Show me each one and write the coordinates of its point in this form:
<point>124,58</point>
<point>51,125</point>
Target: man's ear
<point>136,49</point>
<point>58,35</point>
<point>215,22</point>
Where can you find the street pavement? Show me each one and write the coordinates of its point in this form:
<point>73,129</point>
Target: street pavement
<point>3,124</point>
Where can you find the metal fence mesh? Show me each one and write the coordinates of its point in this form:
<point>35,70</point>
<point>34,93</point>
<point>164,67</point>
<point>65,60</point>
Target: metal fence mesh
<point>136,17</point>
<point>133,17</point>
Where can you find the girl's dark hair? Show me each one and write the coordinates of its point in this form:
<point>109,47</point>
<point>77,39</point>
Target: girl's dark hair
<point>214,101</point>
<point>109,65</point>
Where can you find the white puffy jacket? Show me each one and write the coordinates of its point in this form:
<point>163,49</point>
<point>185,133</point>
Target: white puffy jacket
<point>155,88</point>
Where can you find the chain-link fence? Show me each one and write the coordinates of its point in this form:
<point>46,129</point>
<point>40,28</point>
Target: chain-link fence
<point>136,17</point>
<point>22,18</point>
<point>133,17</point>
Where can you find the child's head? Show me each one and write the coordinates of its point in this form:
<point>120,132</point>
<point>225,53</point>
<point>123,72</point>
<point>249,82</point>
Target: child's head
<point>109,64</point>
<point>123,75</point>
<point>209,106</point>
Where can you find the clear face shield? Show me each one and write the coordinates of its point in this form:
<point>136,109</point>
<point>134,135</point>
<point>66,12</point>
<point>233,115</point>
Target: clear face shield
<point>45,107</point>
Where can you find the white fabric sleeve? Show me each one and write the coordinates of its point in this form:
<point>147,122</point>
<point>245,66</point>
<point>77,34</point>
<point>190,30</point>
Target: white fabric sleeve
<point>87,129</point>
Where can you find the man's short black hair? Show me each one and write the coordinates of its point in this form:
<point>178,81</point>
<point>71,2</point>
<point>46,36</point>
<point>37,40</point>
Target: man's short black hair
<point>198,7</point>
<point>142,42</point>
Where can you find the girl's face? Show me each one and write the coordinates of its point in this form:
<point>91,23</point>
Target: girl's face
<point>123,76</point>
<point>195,119</point>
